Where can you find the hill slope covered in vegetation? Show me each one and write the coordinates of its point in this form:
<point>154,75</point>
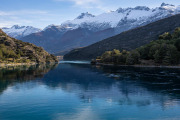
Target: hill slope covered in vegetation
<point>164,51</point>
<point>16,51</point>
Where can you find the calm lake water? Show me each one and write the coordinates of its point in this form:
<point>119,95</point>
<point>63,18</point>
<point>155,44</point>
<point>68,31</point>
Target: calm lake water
<point>74,91</point>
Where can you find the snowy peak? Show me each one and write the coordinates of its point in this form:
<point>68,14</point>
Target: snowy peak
<point>51,26</point>
<point>16,27</point>
<point>142,8</point>
<point>132,16</point>
<point>57,28</point>
<point>164,4</point>
<point>123,10</point>
<point>85,15</point>
<point>17,31</point>
<point>123,17</point>
<point>168,7</point>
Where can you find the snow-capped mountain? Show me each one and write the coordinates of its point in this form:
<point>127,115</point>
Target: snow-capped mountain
<point>18,32</point>
<point>87,28</point>
<point>133,16</point>
<point>85,15</point>
<point>57,28</point>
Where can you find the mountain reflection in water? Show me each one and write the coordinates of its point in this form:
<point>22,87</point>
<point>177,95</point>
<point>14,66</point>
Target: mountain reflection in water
<point>98,87</point>
<point>19,74</point>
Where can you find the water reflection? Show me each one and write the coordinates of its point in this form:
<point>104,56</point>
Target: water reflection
<point>81,91</point>
<point>19,74</point>
<point>127,85</point>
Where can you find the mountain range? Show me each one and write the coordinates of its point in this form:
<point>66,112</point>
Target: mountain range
<point>18,32</point>
<point>127,40</point>
<point>87,29</point>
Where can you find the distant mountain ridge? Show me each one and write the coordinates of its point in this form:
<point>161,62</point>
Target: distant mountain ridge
<point>87,29</point>
<point>136,15</point>
<point>126,40</point>
<point>18,32</point>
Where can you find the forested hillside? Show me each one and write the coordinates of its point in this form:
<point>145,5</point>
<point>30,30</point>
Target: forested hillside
<point>164,51</point>
<point>16,51</point>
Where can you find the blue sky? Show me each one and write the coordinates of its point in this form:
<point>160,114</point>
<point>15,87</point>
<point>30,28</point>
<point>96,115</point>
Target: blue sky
<point>40,13</point>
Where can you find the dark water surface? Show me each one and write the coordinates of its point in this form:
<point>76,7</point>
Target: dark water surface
<point>85,92</point>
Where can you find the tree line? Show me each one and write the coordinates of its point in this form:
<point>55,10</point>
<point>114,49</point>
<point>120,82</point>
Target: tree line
<point>164,51</point>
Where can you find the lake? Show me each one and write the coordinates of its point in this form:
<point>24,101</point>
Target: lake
<point>79,91</point>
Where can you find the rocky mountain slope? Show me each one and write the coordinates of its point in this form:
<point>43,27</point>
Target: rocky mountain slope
<point>87,29</point>
<point>16,51</point>
<point>18,32</point>
<point>127,40</point>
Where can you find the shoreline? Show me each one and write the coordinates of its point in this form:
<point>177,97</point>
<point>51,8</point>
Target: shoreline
<point>150,66</point>
<point>2,65</point>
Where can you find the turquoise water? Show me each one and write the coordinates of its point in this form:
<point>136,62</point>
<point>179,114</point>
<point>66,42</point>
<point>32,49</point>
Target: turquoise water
<point>84,92</point>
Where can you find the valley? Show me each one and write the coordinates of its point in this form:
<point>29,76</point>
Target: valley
<point>118,61</point>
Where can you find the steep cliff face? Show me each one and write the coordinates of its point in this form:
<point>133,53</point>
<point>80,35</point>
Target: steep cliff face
<point>16,51</point>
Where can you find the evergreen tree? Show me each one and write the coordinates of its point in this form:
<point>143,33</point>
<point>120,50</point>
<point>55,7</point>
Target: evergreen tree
<point>1,55</point>
<point>165,36</point>
<point>176,33</point>
<point>177,44</point>
<point>106,57</point>
<point>157,57</point>
<point>153,50</point>
<point>172,55</point>
<point>133,58</point>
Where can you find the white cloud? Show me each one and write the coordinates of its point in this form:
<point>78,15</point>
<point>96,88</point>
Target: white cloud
<point>22,12</point>
<point>10,21</point>
<point>89,4</point>
<point>3,13</point>
<point>21,17</point>
<point>84,3</point>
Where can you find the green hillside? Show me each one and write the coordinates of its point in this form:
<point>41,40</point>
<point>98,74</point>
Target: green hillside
<point>16,51</point>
